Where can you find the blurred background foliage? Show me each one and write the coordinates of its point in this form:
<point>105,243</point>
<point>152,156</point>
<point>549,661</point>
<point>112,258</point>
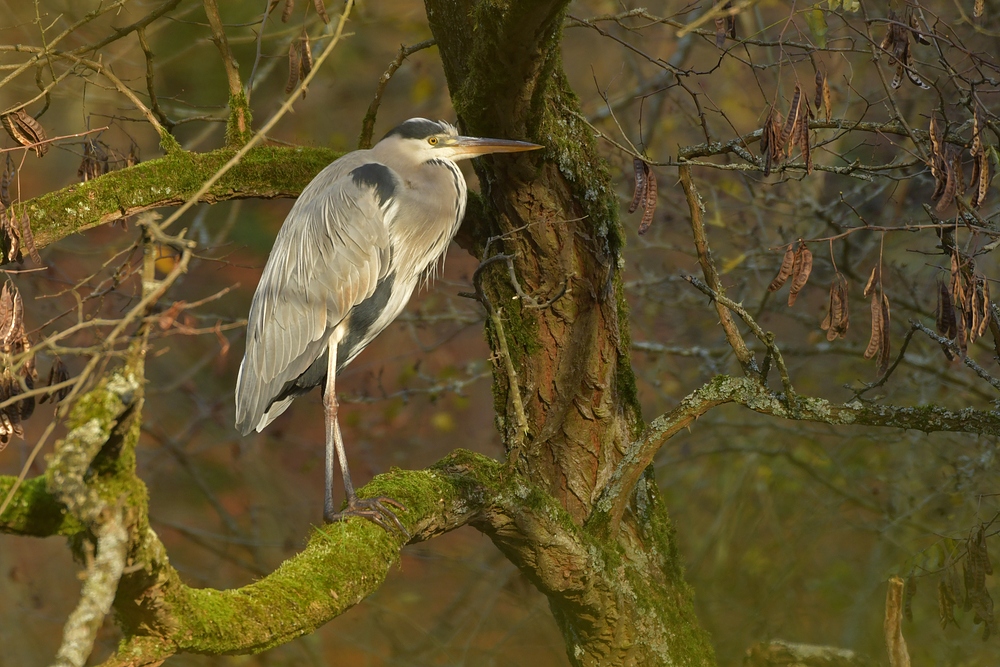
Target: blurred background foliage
<point>788,530</point>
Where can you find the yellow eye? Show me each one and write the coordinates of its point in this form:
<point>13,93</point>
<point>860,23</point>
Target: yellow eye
<point>433,141</point>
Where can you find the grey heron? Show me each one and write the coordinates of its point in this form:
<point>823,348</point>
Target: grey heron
<point>359,239</point>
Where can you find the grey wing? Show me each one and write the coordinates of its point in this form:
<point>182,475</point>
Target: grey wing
<point>331,253</point>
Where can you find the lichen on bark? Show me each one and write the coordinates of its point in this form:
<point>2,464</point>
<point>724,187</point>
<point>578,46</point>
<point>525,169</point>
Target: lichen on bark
<point>559,216</point>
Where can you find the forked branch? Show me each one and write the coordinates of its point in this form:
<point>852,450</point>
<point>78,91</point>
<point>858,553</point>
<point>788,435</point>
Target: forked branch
<point>749,393</point>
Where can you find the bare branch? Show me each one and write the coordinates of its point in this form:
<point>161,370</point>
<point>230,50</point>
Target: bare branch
<point>368,124</point>
<point>617,493</point>
<point>733,335</point>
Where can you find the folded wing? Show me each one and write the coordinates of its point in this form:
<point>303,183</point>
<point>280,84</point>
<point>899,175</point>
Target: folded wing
<point>330,255</point>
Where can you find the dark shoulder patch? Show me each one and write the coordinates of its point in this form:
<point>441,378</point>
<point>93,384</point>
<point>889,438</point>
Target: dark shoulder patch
<point>416,128</point>
<point>376,176</point>
<point>362,319</point>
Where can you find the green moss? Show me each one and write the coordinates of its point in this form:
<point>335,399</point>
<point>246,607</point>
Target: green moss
<point>168,143</point>
<point>35,511</point>
<point>628,394</point>
<point>422,490</point>
<point>520,325</point>
<point>100,404</point>
<point>341,565</point>
<point>520,329</point>
<point>265,171</point>
<point>239,110</point>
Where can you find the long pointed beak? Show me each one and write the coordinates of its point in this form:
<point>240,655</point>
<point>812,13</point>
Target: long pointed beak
<point>467,147</point>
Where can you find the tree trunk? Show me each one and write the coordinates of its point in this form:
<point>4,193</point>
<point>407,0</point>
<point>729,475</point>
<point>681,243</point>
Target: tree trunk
<point>566,403</point>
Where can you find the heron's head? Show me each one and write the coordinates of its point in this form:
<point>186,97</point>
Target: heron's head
<point>436,139</point>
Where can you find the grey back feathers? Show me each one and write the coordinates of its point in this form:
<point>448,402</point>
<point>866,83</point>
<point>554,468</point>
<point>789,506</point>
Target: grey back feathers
<point>358,240</point>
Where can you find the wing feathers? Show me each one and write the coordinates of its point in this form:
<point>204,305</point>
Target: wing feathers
<point>328,257</point>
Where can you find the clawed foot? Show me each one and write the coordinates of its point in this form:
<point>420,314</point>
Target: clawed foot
<point>373,509</point>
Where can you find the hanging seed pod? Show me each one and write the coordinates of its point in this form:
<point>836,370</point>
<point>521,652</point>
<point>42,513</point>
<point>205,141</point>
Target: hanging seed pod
<point>946,606</point>
<point>873,280</point>
<point>977,565</point>
<point>649,204</point>
<point>321,10</point>
<point>837,318</point>
<point>801,268</point>
<point>5,179</point>
<point>793,117</point>
<point>293,66</point>
<point>10,236</point>
<point>95,160</point>
<point>945,312</point>
<point>822,100</point>
<point>305,54</point>
<point>885,345</point>
<point>802,137</point>
<point>25,130</point>
<point>18,371</point>
<point>820,80</point>
<point>986,309</point>
<point>828,320</point>
<point>57,375</point>
<point>910,73</point>
<point>875,341</point>
<point>640,169</point>
<point>29,239</point>
<point>770,141</point>
<point>784,272</point>
<point>916,32</point>
<point>980,163</point>
<point>11,316</point>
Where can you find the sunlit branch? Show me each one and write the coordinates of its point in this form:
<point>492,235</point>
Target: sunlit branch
<point>237,98</point>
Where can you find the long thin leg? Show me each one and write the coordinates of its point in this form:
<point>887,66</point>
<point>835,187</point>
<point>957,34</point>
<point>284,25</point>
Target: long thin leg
<point>338,440</point>
<point>334,439</point>
<point>333,442</point>
<point>373,509</point>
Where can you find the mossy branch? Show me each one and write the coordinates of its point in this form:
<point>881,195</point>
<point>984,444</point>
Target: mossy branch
<point>35,512</point>
<point>345,562</point>
<point>238,130</point>
<point>100,419</point>
<point>265,172</point>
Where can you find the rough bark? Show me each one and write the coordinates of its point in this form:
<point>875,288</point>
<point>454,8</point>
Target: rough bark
<point>558,214</point>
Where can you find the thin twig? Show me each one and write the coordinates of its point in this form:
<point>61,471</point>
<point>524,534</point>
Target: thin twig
<point>154,103</point>
<point>966,359</point>
<point>259,54</point>
<point>368,124</point>
<point>262,132</point>
<point>765,337</point>
<point>53,139</point>
<point>237,107</point>
<point>743,355</point>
